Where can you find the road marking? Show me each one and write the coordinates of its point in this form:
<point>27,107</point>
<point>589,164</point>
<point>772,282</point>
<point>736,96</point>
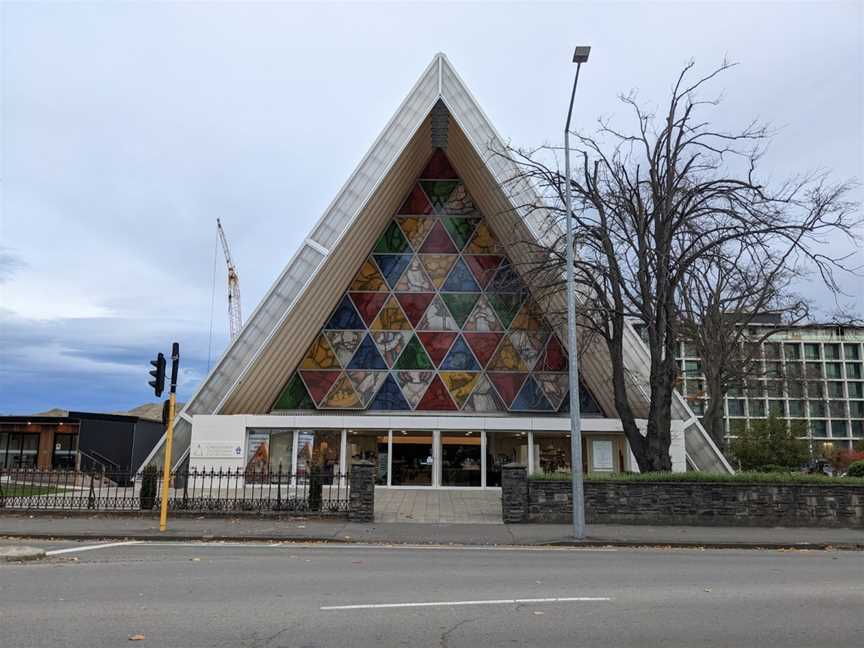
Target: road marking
<point>107,545</point>
<point>379,606</point>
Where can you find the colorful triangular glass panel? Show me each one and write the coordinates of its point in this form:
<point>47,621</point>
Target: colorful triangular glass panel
<point>415,304</point>
<point>483,266</point>
<point>437,317</point>
<point>391,318</point>
<point>483,317</point>
<point>484,398</point>
<point>459,384</point>
<point>506,306</point>
<point>415,229</point>
<point>438,266</point>
<point>531,398</point>
<point>483,345</point>
<point>438,241</point>
<point>368,278</point>
<point>417,203</point>
<point>554,386</point>
<point>392,241</point>
<point>460,358</point>
<point>414,384</point>
<point>392,266</point>
<point>368,304</point>
<point>414,279</point>
<point>345,316</point>
<point>436,344</point>
<point>342,395</point>
<point>484,242</point>
<point>390,344</point>
<point>344,344</point>
<point>555,358</point>
<point>319,355</point>
<point>367,356</point>
<point>507,385</point>
<point>436,398</point>
<point>413,356</point>
<point>319,383</point>
<point>438,167</point>
<point>460,305</point>
<point>529,345</point>
<point>294,396</point>
<point>506,280</point>
<point>461,279</point>
<point>389,398</point>
<point>438,191</point>
<point>366,383</point>
<point>530,318</point>
<point>459,202</point>
<point>507,358</point>
<point>461,229</point>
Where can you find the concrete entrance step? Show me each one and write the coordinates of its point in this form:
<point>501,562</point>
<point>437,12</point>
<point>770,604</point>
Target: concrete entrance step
<point>435,506</point>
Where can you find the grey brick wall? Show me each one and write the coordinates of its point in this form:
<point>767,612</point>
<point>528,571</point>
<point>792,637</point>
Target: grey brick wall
<point>695,503</point>
<point>361,499</point>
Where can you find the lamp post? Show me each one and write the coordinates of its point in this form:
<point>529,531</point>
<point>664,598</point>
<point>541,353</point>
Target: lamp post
<point>580,56</point>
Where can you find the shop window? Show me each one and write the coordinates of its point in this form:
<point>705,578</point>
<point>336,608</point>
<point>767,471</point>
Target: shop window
<point>369,446</point>
<point>65,450</point>
<point>318,450</point>
<point>460,459</point>
<point>412,459</point>
<point>268,454</point>
<point>19,450</point>
<point>552,453</point>
<point>503,448</point>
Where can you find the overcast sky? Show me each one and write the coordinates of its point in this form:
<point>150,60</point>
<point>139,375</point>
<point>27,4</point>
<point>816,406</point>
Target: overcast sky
<point>128,128</point>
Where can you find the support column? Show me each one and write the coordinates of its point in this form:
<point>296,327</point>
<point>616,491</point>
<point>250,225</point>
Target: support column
<point>361,497</point>
<point>514,493</point>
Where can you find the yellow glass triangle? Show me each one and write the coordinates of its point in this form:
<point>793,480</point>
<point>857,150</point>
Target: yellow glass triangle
<point>368,278</point>
<point>391,318</point>
<point>320,356</point>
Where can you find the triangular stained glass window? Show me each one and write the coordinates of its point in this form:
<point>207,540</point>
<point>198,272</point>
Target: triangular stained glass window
<point>438,167</point>
<point>366,383</point>
<point>392,241</point>
<point>483,266</point>
<point>555,358</point>
<point>415,229</point>
<point>484,398</point>
<point>459,384</point>
<point>506,306</point>
<point>414,384</point>
<point>342,395</point>
<point>484,242</point>
<point>460,305</point>
<point>392,266</point>
<point>294,396</point>
<point>416,203</point>
<point>319,356</point>
<point>483,318</point>
<point>437,317</point>
<point>507,384</point>
<point>531,398</point>
<point>413,356</point>
<point>554,386</point>
<point>414,279</point>
<point>438,241</point>
<point>438,266</point>
<point>319,383</point>
<point>390,344</point>
<point>389,398</point>
<point>344,344</point>
<point>367,356</point>
<point>483,345</point>
<point>391,318</point>
<point>436,343</point>
<point>368,278</point>
<point>436,398</point>
<point>461,229</point>
<point>459,202</point>
<point>460,358</point>
<point>345,316</point>
<point>415,304</point>
<point>461,279</point>
<point>438,191</point>
<point>368,304</point>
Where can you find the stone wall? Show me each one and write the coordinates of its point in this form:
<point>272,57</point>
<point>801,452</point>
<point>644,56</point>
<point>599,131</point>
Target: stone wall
<point>689,503</point>
<point>361,499</point>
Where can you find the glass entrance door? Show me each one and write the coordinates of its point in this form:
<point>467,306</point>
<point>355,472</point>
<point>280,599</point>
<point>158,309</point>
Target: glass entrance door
<point>413,459</point>
<point>461,459</point>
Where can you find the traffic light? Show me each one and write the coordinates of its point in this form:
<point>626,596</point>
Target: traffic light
<point>158,382</point>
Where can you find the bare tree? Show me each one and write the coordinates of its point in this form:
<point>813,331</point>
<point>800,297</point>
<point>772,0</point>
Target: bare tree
<point>651,205</point>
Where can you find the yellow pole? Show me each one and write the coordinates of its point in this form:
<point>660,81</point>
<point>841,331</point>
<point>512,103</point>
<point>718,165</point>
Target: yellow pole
<point>166,468</point>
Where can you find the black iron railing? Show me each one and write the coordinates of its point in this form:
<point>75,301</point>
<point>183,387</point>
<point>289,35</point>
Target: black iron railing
<point>216,490</point>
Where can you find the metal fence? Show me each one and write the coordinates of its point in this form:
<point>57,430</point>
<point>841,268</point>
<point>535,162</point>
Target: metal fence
<point>215,490</point>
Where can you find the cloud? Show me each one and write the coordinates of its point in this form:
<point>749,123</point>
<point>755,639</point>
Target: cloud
<point>10,263</point>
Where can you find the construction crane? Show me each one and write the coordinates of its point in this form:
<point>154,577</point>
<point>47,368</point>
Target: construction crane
<point>235,318</point>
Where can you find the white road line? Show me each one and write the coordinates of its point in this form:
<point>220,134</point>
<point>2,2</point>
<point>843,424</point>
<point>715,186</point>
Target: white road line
<point>379,606</point>
<point>107,545</point>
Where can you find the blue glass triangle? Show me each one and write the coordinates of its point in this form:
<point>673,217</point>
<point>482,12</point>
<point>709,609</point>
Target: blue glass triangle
<point>345,316</point>
<point>506,280</point>
<point>531,398</point>
<point>460,358</point>
<point>461,279</point>
<point>392,266</point>
<point>587,403</point>
<point>389,398</point>
<point>367,356</point>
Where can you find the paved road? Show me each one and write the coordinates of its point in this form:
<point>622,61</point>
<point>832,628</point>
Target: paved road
<point>188,595</point>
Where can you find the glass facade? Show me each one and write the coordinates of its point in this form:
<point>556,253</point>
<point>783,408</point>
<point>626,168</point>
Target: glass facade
<point>460,460</point>
<point>436,319</point>
<point>413,459</point>
<point>18,449</point>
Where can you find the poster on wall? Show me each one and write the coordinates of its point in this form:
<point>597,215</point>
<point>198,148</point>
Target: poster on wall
<point>305,441</point>
<point>601,453</point>
<point>258,451</point>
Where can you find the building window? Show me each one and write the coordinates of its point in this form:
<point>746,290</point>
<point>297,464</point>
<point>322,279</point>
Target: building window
<point>796,408</point>
<point>813,370</point>
<point>832,351</point>
<point>853,370</point>
<point>857,428</point>
<point>792,351</point>
<point>757,408</point>
<point>856,389</point>
<point>856,409</point>
<point>811,351</point>
<point>460,459</point>
<point>772,350</point>
<point>838,429</point>
<point>837,408</point>
<point>817,408</point>
<point>412,459</point>
<point>851,352</point>
<point>552,452</point>
<point>18,450</point>
<point>503,448</point>
<point>835,389</point>
<point>833,370</point>
<point>318,450</point>
<point>816,389</point>
<point>819,428</point>
<point>777,408</point>
<point>370,446</point>
<point>736,407</point>
<point>65,450</point>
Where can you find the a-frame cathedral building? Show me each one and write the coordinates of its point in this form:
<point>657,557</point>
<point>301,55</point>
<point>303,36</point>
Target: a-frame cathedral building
<point>403,330</point>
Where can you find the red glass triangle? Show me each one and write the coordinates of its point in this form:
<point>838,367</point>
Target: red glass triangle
<point>438,241</point>
<point>555,358</point>
<point>319,383</point>
<point>507,384</point>
<point>437,344</point>
<point>483,266</point>
<point>368,304</point>
<point>417,203</point>
<point>483,345</point>
<point>439,167</point>
<point>414,304</point>
<point>436,398</point>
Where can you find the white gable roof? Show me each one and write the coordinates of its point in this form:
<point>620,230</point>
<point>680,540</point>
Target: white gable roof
<point>255,366</point>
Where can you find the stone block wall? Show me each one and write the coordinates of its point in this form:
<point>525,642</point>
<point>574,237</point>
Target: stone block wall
<point>689,503</point>
<point>361,498</point>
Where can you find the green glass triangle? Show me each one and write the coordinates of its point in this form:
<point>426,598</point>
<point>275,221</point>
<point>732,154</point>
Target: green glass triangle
<point>414,356</point>
<point>461,229</point>
<point>438,191</point>
<point>460,305</point>
<point>392,241</point>
<point>294,396</point>
<point>506,306</point>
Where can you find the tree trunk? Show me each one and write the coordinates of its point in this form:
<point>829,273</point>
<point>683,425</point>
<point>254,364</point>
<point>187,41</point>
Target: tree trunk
<point>713,419</point>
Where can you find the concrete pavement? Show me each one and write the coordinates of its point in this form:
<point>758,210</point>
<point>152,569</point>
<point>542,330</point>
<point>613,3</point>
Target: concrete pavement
<point>345,595</point>
<point>280,530</point>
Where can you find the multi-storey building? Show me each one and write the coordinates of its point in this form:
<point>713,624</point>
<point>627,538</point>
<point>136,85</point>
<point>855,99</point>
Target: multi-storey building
<point>810,373</point>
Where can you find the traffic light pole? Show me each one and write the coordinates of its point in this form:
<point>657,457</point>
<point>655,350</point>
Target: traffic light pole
<point>169,439</point>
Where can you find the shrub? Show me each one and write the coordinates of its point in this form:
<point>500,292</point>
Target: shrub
<point>771,442</point>
<point>842,459</point>
<point>856,469</point>
<point>149,487</point>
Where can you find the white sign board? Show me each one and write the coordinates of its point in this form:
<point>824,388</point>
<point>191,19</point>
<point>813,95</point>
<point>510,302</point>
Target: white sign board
<point>214,450</point>
<point>601,455</point>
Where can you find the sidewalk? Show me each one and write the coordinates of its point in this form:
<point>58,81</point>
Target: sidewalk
<point>106,527</point>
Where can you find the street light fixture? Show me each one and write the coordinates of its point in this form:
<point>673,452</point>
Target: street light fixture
<point>580,56</point>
